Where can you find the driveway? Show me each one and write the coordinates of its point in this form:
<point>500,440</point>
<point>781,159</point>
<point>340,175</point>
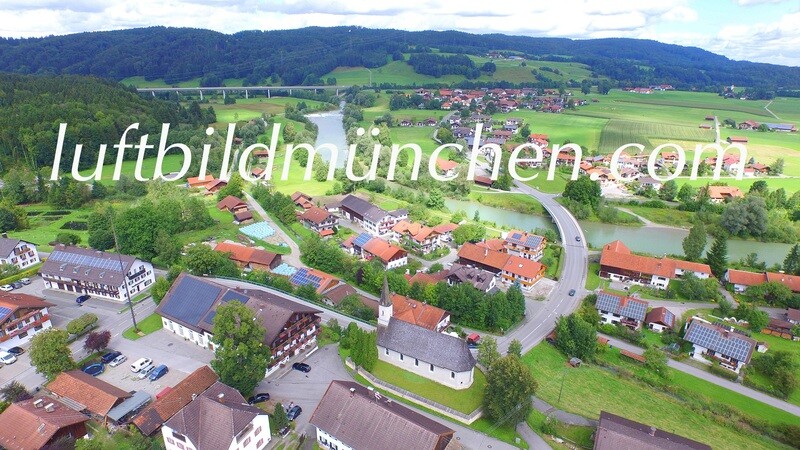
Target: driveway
<point>307,390</point>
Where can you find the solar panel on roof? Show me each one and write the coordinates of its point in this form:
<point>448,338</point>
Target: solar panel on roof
<point>231,295</point>
<point>190,300</point>
<point>86,260</point>
<point>362,239</point>
<point>4,312</point>
<point>516,236</point>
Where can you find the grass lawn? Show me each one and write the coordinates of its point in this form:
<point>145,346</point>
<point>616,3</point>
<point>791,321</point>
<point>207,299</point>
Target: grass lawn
<point>47,222</point>
<point>593,277</point>
<point>506,433</point>
<point>581,436</point>
<point>466,400</point>
<point>591,389</point>
<point>149,324</point>
<point>554,186</point>
<point>172,162</point>
<point>553,271</point>
<point>665,216</point>
<point>506,200</point>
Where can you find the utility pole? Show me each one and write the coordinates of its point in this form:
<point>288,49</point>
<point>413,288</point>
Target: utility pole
<point>563,375</point>
<point>124,274</point>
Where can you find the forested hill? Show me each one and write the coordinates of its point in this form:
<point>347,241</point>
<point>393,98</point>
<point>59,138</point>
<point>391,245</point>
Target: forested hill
<point>303,55</point>
<point>96,112</point>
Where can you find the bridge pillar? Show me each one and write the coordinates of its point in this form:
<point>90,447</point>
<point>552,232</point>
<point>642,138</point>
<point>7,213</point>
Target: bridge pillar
<point>154,93</point>
<point>337,92</point>
<point>290,92</point>
<point>246,95</point>
<point>268,94</point>
<point>223,95</point>
<point>201,95</point>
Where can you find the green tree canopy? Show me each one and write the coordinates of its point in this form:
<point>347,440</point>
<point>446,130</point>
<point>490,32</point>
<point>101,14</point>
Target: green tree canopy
<point>241,356</point>
<point>50,353</point>
<point>695,243</point>
<point>509,387</point>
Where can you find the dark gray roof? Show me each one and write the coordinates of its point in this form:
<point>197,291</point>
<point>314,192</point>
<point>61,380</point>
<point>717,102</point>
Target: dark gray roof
<point>87,265</point>
<point>618,433</point>
<point>363,419</point>
<point>274,310</point>
<point>7,246</point>
<point>524,239</point>
<point>402,212</point>
<point>718,339</point>
<point>356,204</point>
<point>189,300</point>
<point>624,306</point>
<point>375,214</point>
<point>212,422</point>
<point>479,278</point>
<point>426,345</point>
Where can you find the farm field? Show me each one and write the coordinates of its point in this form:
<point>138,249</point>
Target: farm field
<point>171,163</point>
<point>590,389</point>
<point>47,222</point>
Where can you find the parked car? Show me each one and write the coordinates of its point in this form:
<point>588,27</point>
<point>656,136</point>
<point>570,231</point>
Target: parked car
<point>7,358</point>
<point>17,285</point>
<point>578,238</point>
<point>16,351</point>
<point>118,360</point>
<point>25,281</point>
<point>572,292</point>
<point>95,369</point>
<point>82,299</point>
<point>146,371</point>
<point>302,367</point>
<point>261,397</point>
<point>110,356</point>
<point>6,288</point>
<point>294,412</point>
<point>158,372</point>
<point>140,364</point>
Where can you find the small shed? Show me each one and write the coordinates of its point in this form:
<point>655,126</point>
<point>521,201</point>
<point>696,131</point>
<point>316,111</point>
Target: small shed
<point>129,407</point>
<point>575,362</point>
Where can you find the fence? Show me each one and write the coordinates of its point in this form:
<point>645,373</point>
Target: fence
<point>437,407</point>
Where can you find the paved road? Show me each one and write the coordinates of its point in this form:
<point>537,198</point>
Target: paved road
<point>293,258</point>
<point>699,373</point>
<point>540,320</point>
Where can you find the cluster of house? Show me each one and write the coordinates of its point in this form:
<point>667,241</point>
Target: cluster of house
<point>753,125</point>
<point>464,128</point>
<point>207,184</point>
<point>650,89</point>
<point>506,100</point>
<point>716,341</point>
<point>199,412</point>
<point>514,259</point>
<point>238,207</point>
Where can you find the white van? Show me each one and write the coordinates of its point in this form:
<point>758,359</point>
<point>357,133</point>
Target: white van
<point>140,364</point>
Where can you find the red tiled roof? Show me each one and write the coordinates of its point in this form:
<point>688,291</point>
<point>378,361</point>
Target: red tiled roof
<point>482,180</point>
<point>793,314</point>
<point>617,255</point>
<point>446,165</point>
<point>445,228</point>
<point>326,232</point>
<point>427,278</point>
<point>523,267</point>
<point>315,215</point>
<point>383,250</point>
<point>722,192</point>
<point>23,426</point>
<point>158,412</point>
<point>496,244</point>
<point>230,203</point>
<point>631,355</point>
<point>197,182</point>
<point>416,312</point>
<point>790,281</point>
<point>483,255</point>
<point>745,278</point>
<point>243,215</point>
<point>246,255</point>
<point>95,394</point>
<point>659,315</point>
<point>417,231</point>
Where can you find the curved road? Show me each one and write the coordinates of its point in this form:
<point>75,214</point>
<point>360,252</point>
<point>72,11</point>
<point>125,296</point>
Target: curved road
<point>573,276</point>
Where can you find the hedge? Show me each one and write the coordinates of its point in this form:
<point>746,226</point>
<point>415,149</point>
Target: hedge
<point>27,273</point>
<point>77,326</point>
<point>716,369</point>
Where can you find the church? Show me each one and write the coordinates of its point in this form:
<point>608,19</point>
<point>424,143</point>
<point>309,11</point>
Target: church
<point>439,357</point>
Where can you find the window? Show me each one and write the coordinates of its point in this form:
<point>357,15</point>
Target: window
<point>246,442</point>
<point>179,437</point>
<point>259,443</point>
<point>258,431</point>
<point>387,351</point>
<point>401,356</point>
<point>431,367</point>
<point>453,375</point>
<point>180,446</point>
<point>416,362</point>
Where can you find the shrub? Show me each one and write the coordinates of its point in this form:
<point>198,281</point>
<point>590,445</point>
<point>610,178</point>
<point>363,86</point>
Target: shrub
<point>716,369</point>
<point>81,324</point>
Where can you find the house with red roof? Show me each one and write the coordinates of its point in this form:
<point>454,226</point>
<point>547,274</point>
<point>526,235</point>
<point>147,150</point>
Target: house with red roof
<point>742,279</point>
<point>21,317</point>
<point>618,263</point>
<point>232,204</point>
<point>40,422</point>
<point>660,319</point>
<point>510,268</point>
<point>389,255</point>
<point>446,167</point>
<point>720,194</point>
<point>416,236</point>
<point>249,258</point>
<point>319,220</point>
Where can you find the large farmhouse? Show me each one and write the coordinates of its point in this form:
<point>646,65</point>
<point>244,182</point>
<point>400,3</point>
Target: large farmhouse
<point>19,253</point>
<point>732,349</point>
<point>99,274</point>
<point>618,263</point>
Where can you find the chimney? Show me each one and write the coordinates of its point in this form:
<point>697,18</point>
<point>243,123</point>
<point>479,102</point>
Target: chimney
<point>194,396</point>
<point>352,392</point>
<point>38,403</point>
<point>50,407</point>
<point>652,431</point>
<point>220,397</point>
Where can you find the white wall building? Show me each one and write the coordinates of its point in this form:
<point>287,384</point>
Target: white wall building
<point>18,253</point>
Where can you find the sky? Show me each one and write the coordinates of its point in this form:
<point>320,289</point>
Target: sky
<point>755,30</point>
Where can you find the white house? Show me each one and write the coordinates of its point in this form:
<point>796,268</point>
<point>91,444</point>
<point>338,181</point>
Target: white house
<point>437,356</point>
<point>616,309</point>
<point>99,274</point>
<point>660,319</point>
<point>21,317</point>
<point>217,419</point>
<point>351,416</point>
<point>17,252</point>
<point>732,349</point>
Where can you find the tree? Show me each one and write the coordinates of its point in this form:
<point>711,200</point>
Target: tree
<point>575,337</point>
<point>757,319</point>
<point>604,86</point>
<point>668,190</point>
<point>717,257</point>
<point>241,356</point>
<point>99,190</point>
<point>203,260</point>
<point>279,418</point>
<point>14,392</point>
<point>364,349</point>
<point>50,353</point>
<point>584,191</point>
<point>487,352</point>
<point>160,289</point>
<point>509,387</point>
<point>586,86</point>
<point>781,368</point>
<point>724,307</point>
<point>469,232</point>
<point>687,193</point>
<point>234,187</point>
<point>656,360</point>
<point>759,187</point>
<point>791,264</point>
<point>777,167</point>
<point>97,340</point>
<point>695,243</point>
<point>746,217</point>
<point>67,238</point>
<point>515,348</point>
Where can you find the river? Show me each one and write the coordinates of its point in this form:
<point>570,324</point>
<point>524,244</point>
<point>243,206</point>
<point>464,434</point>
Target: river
<point>330,131</point>
<point>654,240</point>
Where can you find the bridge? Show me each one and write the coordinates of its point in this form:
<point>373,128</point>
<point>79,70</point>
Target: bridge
<point>246,89</point>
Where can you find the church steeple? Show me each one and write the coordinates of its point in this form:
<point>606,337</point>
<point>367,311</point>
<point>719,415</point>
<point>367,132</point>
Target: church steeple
<point>385,307</point>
